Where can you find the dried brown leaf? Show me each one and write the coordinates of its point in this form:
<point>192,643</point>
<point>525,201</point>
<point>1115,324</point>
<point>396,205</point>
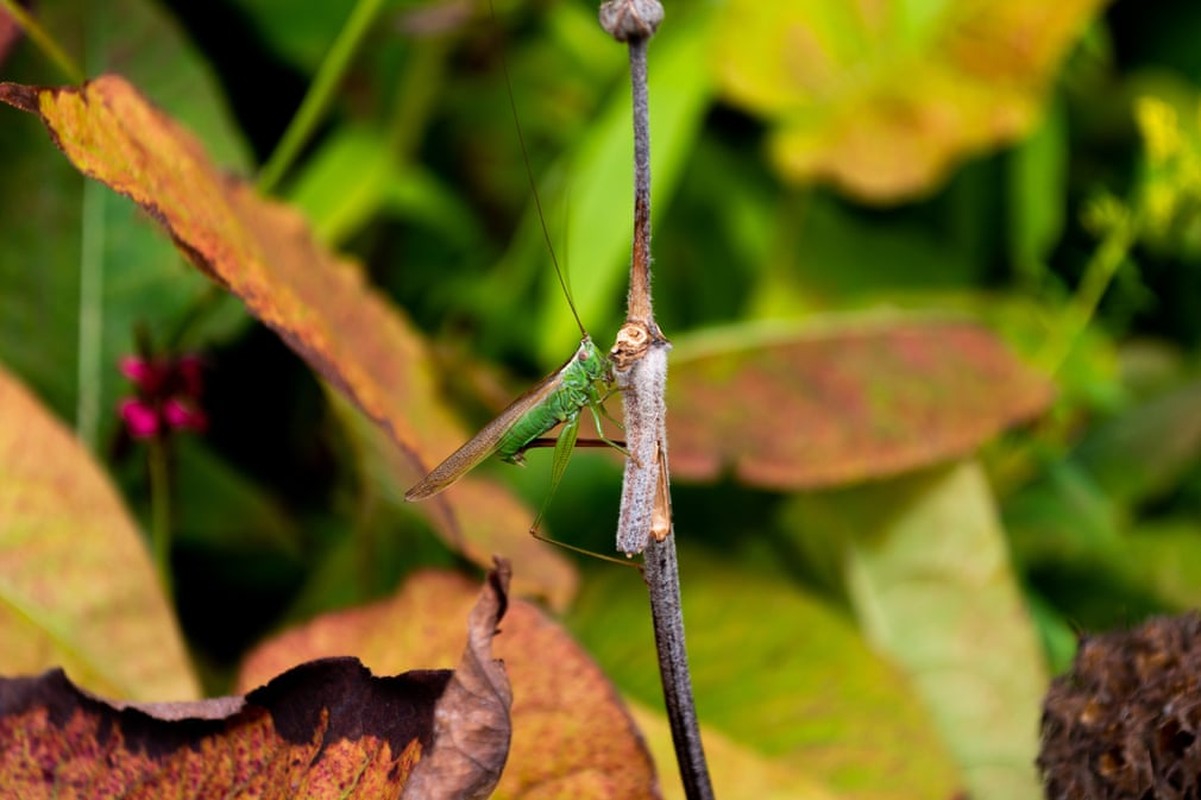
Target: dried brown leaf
<point>572,736</point>
<point>326,728</point>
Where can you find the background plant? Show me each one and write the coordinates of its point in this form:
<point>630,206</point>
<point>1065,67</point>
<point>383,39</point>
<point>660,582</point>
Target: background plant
<point>1034,171</point>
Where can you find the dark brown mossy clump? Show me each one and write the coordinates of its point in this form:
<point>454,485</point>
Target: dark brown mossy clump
<point>1126,721</point>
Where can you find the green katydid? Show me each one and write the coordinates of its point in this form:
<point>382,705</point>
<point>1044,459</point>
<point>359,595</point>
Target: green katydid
<point>584,381</point>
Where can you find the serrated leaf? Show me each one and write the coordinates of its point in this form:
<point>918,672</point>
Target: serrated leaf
<point>319,304</point>
<point>883,99</point>
<point>842,404</point>
<point>572,737</point>
<point>76,585</point>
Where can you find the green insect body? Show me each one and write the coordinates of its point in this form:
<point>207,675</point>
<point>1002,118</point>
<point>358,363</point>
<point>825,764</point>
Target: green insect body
<point>584,381</point>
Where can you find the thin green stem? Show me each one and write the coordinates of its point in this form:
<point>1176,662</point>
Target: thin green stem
<point>1106,260</point>
<point>91,315</point>
<point>320,93</point>
<point>44,41</point>
<point>1013,463</point>
<point>418,89</point>
<point>160,510</point>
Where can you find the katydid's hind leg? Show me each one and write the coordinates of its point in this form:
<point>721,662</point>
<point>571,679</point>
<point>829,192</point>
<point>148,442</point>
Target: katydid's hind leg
<point>626,562</point>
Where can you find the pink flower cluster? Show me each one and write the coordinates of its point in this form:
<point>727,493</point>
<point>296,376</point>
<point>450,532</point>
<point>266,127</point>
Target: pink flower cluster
<point>168,396</point>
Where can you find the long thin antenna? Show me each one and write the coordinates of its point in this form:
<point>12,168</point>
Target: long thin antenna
<point>529,173</point>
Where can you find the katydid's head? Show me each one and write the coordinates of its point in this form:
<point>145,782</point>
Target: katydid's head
<point>594,362</point>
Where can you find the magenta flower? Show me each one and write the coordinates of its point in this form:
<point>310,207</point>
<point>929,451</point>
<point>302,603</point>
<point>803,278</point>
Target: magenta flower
<point>168,396</point>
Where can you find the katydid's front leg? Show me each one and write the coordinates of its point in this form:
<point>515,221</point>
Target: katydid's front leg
<point>600,432</point>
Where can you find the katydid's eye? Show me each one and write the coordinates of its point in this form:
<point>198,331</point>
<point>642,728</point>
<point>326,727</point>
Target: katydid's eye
<point>582,355</point>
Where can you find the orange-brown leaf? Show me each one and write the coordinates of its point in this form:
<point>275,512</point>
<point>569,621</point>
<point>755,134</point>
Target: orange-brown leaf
<point>572,736</point>
<point>838,406</point>
<point>326,728</point>
<point>320,304</point>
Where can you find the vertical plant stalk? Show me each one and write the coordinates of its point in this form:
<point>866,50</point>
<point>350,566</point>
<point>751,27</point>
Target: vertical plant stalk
<point>320,94</point>
<point>160,509</point>
<point>92,242</point>
<point>1099,273</point>
<point>90,346</point>
<point>43,40</point>
<point>639,359</point>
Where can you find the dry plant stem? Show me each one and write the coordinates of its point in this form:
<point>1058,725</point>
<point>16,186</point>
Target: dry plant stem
<point>639,360</point>
<point>638,303</point>
<point>662,575</point>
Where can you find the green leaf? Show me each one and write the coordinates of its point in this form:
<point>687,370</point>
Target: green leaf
<point>1061,516</point>
<point>928,574</point>
<point>301,33</point>
<point>1142,453</point>
<point>1165,557</point>
<point>219,507</point>
<point>737,771</point>
<point>353,178</point>
<point>777,671</point>
<point>343,184</point>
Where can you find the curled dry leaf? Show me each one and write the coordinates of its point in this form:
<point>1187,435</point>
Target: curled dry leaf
<point>882,99</point>
<point>327,728</point>
<point>572,735</point>
<point>471,719</point>
<point>76,586</point>
<point>846,405</point>
<point>320,304</point>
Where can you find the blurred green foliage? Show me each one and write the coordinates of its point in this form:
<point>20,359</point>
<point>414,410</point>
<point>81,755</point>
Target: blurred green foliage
<point>1077,239</point>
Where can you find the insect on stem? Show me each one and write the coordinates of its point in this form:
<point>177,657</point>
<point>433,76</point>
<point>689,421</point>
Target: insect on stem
<point>584,381</point>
